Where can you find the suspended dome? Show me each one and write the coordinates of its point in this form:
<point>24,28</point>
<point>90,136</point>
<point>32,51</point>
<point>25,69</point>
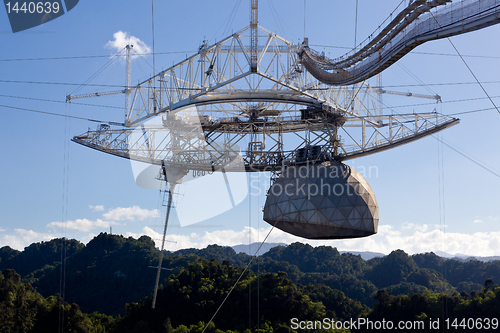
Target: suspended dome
<point>322,201</point>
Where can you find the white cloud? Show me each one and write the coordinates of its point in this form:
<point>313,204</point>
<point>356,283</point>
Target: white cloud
<point>83,225</point>
<point>172,242</point>
<point>413,226</point>
<point>122,39</point>
<point>130,213</point>
<point>387,240</point>
<point>23,238</point>
<point>2,230</point>
<point>98,208</point>
<point>485,219</point>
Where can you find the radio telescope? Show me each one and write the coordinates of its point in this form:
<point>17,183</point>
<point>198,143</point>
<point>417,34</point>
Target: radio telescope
<point>256,102</point>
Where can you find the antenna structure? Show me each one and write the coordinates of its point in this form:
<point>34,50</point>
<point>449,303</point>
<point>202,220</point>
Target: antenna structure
<point>255,102</point>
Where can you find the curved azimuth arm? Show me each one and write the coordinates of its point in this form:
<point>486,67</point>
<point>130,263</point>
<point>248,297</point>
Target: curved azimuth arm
<point>420,22</point>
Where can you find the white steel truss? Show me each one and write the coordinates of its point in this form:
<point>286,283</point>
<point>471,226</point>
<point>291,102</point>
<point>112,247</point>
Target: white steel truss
<point>214,108</point>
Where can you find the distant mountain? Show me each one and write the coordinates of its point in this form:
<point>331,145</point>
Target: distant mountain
<point>465,257</point>
<point>485,259</point>
<point>366,255</point>
<point>250,250</point>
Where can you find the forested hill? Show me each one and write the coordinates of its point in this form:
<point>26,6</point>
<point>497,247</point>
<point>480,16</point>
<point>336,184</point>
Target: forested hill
<point>112,270</point>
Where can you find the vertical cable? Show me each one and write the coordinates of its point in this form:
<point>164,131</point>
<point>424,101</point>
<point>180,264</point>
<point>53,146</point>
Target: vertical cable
<point>153,33</point>
<point>442,215</point>
<point>304,19</point>
<point>258,265</point>
<point>250,251</point>
<point>239,278</point>
<point>356,27</point>
<point>355,86</point>
<point>64,217</point>
<point>154,65</point>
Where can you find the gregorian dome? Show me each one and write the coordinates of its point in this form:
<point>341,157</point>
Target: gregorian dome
<point>329,200</point>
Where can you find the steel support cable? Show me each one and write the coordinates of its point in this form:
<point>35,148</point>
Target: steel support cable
<point>456,55</point>
<point>154,67</point>
<point>253,257</point>
<point>99,71</point>
<point>258,250</point>
<point>452,101</point>
<point>472,159</point>
<point>57,101</point>
<point>451,114</point>
<point>225,22</point>
<point>314,64</point>
<point>63,83</point>
<point>258,267</point>
<point>471,111</point>
<point>239,278</point>
<point>142,57</point>
<point>229,21</point>
<point>250,251</point>
<point>153,32</point>
<point>90,56</point>
<point>62,115</point>
<point>432,92</point>
<point>142,71</point>
<point>356,26</point>
<point>442,215</point>
<point>64,219</point>
<point>470,70</point>
<point>304,19</point>
<point>278,19</point>
<point>439,84</point>
<point>89,85</point>
<point>233,17</point>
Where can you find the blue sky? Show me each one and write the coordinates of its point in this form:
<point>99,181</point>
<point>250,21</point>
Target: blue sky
<point>47,180</point>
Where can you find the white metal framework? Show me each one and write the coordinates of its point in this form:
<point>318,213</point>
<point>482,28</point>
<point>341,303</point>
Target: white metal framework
<point>269,115</point>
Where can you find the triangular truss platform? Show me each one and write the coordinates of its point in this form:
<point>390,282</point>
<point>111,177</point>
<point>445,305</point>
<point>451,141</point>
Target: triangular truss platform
<point>214,107</point>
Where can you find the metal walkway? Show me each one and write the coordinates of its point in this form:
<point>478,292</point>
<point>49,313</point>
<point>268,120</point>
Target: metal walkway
<point>420,22</point>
